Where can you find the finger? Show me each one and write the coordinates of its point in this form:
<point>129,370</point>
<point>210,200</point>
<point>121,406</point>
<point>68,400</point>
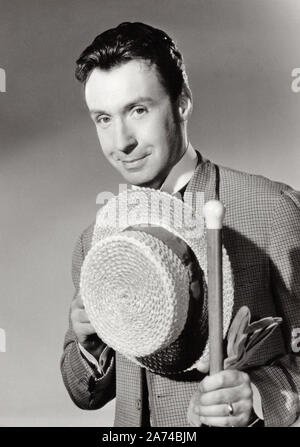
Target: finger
<point>87,329</point>
<point>203,366</point>
<point>234,394</point>
<point>223,410</point>
<point>223,379</point>
<point>77,302</point>
<point>231,421</point>
<point>219,421</point>
<point>82,316</point>
<point>192,417</point>
<point>79,316</point>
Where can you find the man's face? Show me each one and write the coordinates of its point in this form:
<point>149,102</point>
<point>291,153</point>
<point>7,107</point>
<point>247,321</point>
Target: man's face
<point>139,130</point>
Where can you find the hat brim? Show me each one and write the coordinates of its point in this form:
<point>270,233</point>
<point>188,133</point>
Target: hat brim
<point>192,346</point>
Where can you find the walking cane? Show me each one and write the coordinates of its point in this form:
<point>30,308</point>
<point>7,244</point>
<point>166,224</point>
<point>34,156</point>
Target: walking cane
<point>214,212</point>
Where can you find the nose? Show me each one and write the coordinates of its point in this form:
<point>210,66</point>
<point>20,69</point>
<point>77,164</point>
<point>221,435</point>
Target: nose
<point>124,139</point>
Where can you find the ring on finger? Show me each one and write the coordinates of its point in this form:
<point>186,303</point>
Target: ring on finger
<point>230,409</point>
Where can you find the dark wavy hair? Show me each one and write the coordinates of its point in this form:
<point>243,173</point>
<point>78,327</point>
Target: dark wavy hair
<point>131,41</point>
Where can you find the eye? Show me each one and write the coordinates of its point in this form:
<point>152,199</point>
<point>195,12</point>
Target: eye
<point>139,111</point>
<point>103,120</point>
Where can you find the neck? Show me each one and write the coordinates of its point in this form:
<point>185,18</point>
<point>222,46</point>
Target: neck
<point>157,184</point>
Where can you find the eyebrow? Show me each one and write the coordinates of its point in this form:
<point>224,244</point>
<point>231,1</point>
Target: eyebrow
<point>140,99</point>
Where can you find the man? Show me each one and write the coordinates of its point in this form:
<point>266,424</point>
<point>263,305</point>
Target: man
<point>137,93</point>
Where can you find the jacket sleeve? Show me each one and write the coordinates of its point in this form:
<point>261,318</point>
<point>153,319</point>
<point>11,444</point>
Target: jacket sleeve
<point>87,388</point>
<point>279,382</point>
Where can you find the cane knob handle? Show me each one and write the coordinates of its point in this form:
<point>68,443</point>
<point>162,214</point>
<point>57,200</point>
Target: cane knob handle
<point>214,212</point>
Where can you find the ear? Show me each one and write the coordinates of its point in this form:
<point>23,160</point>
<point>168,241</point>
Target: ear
<point>185,103</point>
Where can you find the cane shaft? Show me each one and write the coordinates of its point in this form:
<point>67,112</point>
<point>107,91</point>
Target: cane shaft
<point>215,299</point>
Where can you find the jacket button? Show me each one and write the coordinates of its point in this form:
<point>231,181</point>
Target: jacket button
<point>138,404</point>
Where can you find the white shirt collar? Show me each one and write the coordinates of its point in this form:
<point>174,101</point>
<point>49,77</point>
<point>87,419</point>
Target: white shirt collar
<point>181,173</point>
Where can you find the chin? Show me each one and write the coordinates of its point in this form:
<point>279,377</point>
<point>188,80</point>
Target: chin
<point>138,179</point>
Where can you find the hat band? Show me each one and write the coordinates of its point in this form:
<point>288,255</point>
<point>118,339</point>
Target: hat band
<point>177,245</point>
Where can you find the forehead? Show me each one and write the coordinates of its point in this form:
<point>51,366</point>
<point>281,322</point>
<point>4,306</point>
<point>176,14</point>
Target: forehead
<point>121,85</point>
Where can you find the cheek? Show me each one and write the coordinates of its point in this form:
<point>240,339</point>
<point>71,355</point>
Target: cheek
<point>155,131</point>
<point>104,141</point>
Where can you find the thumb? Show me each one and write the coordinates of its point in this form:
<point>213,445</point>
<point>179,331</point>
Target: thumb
<point>202,365</point>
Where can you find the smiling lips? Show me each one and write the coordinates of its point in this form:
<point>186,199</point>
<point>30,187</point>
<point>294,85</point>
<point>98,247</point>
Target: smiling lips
<point>135,163</point>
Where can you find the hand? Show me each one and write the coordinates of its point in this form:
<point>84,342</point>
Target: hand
<point>82,327</point>
<point>210,405</point>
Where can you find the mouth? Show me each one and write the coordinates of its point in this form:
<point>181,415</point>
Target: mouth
<point>135,163</point>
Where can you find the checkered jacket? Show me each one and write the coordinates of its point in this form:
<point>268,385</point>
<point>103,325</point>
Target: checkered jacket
<point>262,237</point>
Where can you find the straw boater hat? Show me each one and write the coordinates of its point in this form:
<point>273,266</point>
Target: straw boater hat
<point>143,282</point>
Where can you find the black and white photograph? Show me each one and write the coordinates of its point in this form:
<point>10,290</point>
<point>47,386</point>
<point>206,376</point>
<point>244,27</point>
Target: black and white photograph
<point>150,216</point>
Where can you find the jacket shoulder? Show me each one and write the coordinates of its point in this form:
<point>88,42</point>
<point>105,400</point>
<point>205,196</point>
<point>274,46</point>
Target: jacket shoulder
<point>294,196</point>
<point>252,184</point>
